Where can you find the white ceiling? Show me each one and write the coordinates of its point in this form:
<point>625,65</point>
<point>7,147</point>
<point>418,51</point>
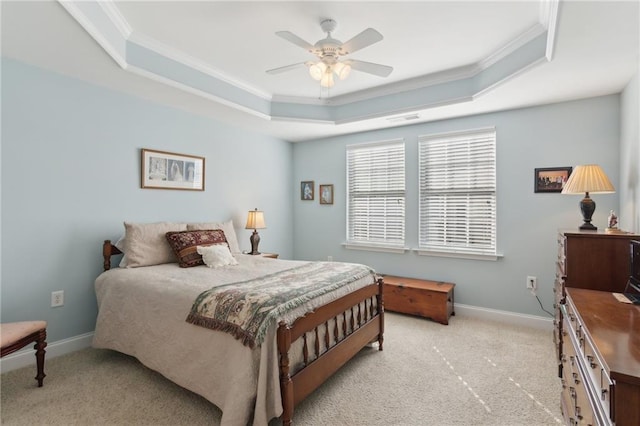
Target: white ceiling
<point>593,47</point>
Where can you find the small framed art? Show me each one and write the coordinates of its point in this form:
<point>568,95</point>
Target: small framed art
<point>326,194</point>
<point>168,170</point>
<point>306,190</point>
<point>551,179</point>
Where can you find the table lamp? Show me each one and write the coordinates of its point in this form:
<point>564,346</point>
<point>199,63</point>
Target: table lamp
<point>585,179</point>
<point>255,221</point>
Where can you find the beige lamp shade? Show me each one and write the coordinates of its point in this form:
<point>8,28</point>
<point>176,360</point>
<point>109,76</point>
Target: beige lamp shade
<point>583,180</point>
<point>255,220</point>
<point>588,178</point>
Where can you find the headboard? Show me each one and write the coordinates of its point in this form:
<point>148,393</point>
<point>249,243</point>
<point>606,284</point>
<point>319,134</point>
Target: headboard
<point>108,250</point>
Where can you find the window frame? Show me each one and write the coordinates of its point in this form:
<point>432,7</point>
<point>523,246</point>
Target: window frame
<point>440,247</point>
<point>395,244</point>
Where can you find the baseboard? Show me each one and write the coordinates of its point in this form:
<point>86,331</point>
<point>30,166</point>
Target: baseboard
<point>514,318</point>
<point>26,357</point>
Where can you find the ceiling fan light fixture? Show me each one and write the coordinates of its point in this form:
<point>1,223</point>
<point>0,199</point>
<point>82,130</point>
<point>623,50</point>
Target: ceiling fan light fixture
<point>327,79</point>
<point>317,70</point>
<point>342,70</point>
<point>329,51</point>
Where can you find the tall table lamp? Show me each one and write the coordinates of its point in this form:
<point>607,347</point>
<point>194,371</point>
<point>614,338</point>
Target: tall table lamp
<point>589,178</point>
<point>255,221</point>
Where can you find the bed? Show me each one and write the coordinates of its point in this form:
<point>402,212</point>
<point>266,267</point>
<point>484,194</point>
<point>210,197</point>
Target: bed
<point>142,312</point>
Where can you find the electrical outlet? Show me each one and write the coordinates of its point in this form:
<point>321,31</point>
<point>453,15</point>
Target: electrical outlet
<point>57,298</point>
<point>532,284</point>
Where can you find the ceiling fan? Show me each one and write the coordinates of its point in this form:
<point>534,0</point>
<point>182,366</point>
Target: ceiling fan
<point>329,52</point>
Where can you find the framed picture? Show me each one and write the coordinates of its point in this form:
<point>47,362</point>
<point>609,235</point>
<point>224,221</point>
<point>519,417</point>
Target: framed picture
<point>326,194</point>
<point>306,190</point>
<point>551,179</point>
<point>168,170</point>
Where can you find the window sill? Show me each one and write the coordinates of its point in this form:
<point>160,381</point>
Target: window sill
<point>459,254</point>
<point>375,247</point>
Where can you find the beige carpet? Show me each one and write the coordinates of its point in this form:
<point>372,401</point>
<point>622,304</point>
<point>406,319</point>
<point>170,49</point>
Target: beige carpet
<point>471,372</point>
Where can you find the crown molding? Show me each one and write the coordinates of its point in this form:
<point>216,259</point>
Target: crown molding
<point>186,88</point>
<point>512,46</point>
<point>406,110</point>
<point>119,21</point>
<point>153,59</point>
<point>78,11</point>
<point>552,24</point>
<point>191,62</point>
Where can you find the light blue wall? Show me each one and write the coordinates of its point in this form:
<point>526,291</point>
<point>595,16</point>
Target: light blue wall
<point>564,134</point>
<point>71,176</point>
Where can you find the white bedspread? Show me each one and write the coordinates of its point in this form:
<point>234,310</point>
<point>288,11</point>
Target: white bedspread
<point>142,313</point>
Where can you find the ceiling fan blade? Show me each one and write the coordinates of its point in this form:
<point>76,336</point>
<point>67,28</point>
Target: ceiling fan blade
<point>370,67</point>
<point>288,67</point>
<point>360,41</point>
<point>291,37</point>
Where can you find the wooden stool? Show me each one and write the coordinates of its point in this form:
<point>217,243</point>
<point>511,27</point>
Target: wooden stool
<point>17,335</point>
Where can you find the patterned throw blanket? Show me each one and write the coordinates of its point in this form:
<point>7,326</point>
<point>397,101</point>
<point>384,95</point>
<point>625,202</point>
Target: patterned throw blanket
<point>246,309</point>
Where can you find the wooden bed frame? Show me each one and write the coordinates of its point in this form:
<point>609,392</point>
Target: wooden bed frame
<point>363,325</point>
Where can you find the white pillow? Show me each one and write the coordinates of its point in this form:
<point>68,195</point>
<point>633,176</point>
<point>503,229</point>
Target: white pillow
<point>227,228</point>
<point>216,255</point>
<point>145,244</point>
<point>120,245</point>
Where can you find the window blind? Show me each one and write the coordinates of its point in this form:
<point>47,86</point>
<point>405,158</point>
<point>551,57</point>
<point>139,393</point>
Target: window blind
<point>376,193</point>
<point>458,192</point>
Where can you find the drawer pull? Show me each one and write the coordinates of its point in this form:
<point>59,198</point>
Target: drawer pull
<point>578,415</point>
<point>575,378</point>
<point>591,363</point>
<point>603,393</point>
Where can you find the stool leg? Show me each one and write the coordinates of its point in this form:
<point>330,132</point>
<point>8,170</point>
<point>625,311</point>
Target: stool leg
<point>39,347</point>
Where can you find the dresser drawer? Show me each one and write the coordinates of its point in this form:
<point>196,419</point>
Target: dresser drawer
<point>579,406</point>
<point>599,376</point>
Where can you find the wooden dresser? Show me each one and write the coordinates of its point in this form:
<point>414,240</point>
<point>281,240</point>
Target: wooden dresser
<point>601,359</point>
<point>593,260</point>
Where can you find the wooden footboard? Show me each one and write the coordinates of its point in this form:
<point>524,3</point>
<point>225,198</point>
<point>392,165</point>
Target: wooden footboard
<point>331,336</point>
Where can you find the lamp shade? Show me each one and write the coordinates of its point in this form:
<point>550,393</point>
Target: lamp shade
<point>588,178</point>
<point>327,79</point>
<point>342,70</point>
<point>255,220</point>
<point>317,70</point>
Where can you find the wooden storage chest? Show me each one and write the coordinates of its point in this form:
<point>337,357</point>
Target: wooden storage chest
<point>429,299</point>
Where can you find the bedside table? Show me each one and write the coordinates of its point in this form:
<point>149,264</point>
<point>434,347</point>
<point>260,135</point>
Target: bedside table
<point>270,255</point>
<point>267,255</point>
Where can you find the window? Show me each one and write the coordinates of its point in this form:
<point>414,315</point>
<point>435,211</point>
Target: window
<point>458,192</point>
<point>376,194</point>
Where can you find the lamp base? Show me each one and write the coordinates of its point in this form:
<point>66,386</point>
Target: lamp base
<point>588,227</point>
<point>255,240</point>
<point>587,207</point>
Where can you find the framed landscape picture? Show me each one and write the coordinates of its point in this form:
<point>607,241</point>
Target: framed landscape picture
<point>169,170</point>
<point>551,179</point>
